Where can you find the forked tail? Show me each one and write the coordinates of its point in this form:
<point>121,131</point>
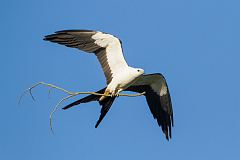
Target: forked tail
<point>106,103</point>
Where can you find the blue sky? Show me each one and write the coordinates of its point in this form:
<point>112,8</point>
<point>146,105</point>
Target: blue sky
<point>195,44</point>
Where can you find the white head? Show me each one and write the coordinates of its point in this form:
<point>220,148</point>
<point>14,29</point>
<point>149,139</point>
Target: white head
<point>139,71</point>
<point>135,72</point>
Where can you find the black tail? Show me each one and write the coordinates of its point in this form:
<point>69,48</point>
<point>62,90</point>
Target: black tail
<point>106,104</point>
<point>86,99</point>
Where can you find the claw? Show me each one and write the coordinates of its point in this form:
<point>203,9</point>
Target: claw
<point>107,93</point>
<point>118,93</point>
<point>112,95</point>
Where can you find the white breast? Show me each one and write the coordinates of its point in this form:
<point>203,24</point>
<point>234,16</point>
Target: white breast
<point>125,78</point>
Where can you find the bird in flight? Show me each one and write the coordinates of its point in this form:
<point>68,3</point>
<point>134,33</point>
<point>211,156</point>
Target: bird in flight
<point>119,75</point>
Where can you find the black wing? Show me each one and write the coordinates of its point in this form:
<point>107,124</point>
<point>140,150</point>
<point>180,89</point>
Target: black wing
<point>158,98</point>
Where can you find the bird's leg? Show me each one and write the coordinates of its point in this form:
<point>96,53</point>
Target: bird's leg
<point>106,94</point>
<point>117,94</point>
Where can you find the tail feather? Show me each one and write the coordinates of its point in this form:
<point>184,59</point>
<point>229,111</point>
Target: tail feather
<point>106,104</point>
<point>86,99</point>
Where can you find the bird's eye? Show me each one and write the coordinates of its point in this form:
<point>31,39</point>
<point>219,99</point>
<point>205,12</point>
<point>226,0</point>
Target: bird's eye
<point>138,70</point>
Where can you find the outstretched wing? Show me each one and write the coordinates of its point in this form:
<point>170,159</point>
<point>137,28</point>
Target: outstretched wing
<point>158,99</point>
<point>106,47</point>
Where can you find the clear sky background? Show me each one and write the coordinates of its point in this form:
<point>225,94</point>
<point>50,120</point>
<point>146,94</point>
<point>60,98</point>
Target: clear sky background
<point>194,44</point>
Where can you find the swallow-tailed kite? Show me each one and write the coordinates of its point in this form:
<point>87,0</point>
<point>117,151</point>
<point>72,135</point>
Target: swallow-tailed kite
<point>119,75</point>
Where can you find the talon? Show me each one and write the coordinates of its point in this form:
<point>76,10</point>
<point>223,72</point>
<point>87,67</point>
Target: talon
<point>118,93</point>
<point>107,93</point>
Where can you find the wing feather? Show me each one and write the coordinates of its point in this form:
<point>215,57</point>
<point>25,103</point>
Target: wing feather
<point>158,99</point>
<point>106,47</point>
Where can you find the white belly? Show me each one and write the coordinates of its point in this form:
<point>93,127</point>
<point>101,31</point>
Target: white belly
<point>123,80</point>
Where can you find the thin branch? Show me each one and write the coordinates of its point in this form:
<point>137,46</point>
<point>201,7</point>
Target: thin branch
<point>55,109</point>
<point>70,95</point>
<point>49,92</point>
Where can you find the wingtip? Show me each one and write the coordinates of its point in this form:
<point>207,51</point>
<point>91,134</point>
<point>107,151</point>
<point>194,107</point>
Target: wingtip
<point>167,138</point>
<point>167,135</point>
<point>172,120</point>
<point>47,38</point>
<point>51,37</point>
